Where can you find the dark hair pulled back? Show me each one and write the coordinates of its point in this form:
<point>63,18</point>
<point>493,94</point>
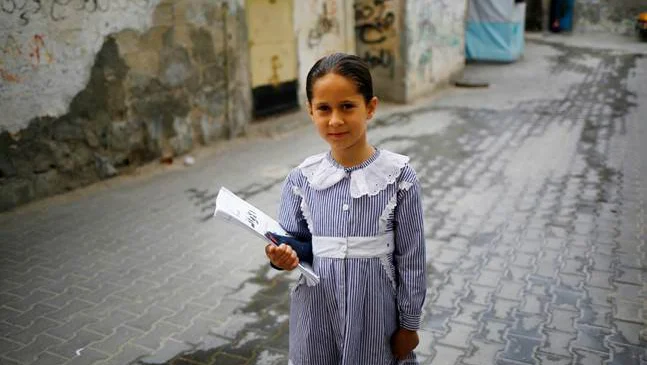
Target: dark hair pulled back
<point>346,65</point>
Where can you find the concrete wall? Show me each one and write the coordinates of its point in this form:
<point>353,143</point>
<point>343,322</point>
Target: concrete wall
<point>322,27</point>
<point>412,46</point>
<point>616,16</point>
<point>379,31</point>
<point>436,43</point>
<point>91,87</point>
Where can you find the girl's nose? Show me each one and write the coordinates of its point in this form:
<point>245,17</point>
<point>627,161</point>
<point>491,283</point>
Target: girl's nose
<point>335,120</point>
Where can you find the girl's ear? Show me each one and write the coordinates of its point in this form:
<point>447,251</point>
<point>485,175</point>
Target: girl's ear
<point>371,106</point>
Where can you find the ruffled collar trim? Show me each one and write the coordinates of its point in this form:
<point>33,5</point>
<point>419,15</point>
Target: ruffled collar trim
<point>368,178</point>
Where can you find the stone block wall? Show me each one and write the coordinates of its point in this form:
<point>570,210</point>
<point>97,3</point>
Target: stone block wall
<point>89,88</point>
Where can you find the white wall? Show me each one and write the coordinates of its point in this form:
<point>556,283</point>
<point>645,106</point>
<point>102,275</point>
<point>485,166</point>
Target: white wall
<point>435,43</point>
<point>47,51</point>
<point>322,27</point>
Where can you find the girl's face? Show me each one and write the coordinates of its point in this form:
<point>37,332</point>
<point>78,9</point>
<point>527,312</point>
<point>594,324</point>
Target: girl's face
<point>340,112</point>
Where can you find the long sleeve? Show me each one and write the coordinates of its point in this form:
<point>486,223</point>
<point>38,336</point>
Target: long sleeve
<point>291,217</point>
<point>409,255</point>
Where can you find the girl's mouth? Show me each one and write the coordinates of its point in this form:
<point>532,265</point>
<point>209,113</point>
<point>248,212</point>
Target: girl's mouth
<point>337,135</point>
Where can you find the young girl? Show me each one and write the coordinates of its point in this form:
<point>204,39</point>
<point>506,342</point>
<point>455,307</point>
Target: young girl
<point>361,208</point>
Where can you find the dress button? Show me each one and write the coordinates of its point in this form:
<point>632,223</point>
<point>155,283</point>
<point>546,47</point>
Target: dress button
<point>345,207</point>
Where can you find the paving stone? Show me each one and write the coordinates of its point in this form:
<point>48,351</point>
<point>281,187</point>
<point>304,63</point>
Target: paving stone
<point>488,278</point>
<point>109,324</point>
<point>557,343</point>
<point>482,350</point>
<point>25,319</point>
<point>595,315</point>
<point>566,299</point>
<point>169,350</point>
<point>30,352</point>
<point>552,359</point>
<point>229,329</point>
<point>511,290</point>
<point>47,358</point>
<point>502,309</point>
<point>480,294</point>
<point>529,326</point>
<point>128,354</point>
<point>591,338</point>
<point>521,349</point>
<point>562,320</point>
<point>69,310</point>
<point>103,309</point>
<point>88,356</point>
<point>469,313</point>
<point>113,343</point>
<point>81,340</point>
<point>60,300</point>
<point>30,286</point>
<point>436,319</point>
<point>146,321</point>
<point>457,335</point>
<point>8,345</point>
<point>588,357</point>
<point>600,279</point>
<point>599,296</point>
<point>26,303</point>
<point>627,311</point>
<point>445,355</point>
<point>160,333</point>
<point>626,355</point>
<point>186,316</point>
<point>74,324</point>
<point>27,335</point>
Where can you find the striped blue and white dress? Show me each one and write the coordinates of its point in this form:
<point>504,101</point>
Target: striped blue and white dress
<point>366,226</point>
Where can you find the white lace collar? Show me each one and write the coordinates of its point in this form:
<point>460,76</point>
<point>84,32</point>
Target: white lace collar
<point>369,178</point>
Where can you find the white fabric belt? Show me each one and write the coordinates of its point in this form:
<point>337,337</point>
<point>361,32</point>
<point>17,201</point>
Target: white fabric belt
<point>353,247</point>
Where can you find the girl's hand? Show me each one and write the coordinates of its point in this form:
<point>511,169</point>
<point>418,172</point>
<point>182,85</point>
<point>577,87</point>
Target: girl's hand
<point>282,256</point>
<point>403,342</point>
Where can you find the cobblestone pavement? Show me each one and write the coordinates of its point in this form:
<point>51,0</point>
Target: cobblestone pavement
<point>535,198</point>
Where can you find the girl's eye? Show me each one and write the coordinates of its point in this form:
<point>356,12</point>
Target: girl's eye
<point>323,108</point>
<point>348,106</point>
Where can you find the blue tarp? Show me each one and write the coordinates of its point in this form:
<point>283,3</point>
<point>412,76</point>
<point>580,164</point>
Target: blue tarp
<point>495,30</point>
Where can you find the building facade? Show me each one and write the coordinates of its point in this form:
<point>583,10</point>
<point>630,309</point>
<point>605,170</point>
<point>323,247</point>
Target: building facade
<point>92,88</point>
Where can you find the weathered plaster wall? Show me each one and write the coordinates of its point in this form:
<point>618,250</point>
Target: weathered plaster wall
<point>379,31</point>
<point>412,46</point>
<point>322,27</point>
<point>48,45</point>
<point>93,87</point>
<point>616,16</point>
<point>436,43</point>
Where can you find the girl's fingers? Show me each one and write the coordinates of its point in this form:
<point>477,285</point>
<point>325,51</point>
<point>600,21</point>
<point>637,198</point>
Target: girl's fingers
<point>283,256</point>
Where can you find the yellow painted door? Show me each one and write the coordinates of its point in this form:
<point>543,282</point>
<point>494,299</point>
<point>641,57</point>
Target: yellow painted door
<point>273,56</point>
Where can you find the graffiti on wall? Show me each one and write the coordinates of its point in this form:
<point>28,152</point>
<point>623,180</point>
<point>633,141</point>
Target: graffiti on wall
<point>326,23</point>
<point>23,11</point>
<point>43,47</point>
<point>375,27</point>
<point>435,29</point>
